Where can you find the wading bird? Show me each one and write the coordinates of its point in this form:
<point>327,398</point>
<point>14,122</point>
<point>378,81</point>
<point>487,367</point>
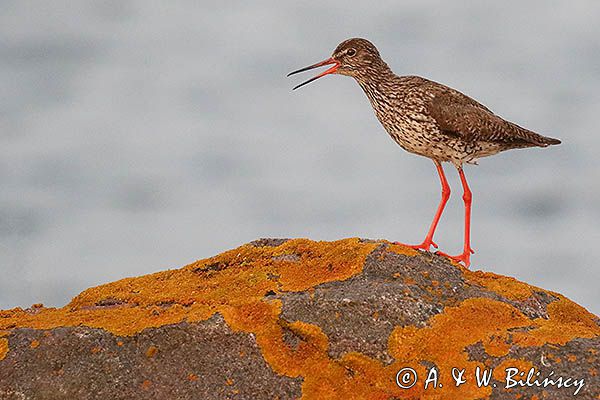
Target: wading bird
<point>429,119</point>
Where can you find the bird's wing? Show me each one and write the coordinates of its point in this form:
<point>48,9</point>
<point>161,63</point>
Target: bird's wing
<point>460,116</point>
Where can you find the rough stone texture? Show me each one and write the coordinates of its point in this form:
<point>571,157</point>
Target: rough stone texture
<point>183,361</point>
<point>577,358</point>
<point>291,318</point>
<point>393,290</point>
<point>273,242</point>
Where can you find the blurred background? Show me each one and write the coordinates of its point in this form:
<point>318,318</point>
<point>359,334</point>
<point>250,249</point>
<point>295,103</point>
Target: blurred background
<point>142,135</point>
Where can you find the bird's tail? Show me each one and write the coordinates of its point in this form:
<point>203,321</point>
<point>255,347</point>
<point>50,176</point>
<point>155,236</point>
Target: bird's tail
<point>533,138</point>
<point>550,141</point>
<point>545,141</point>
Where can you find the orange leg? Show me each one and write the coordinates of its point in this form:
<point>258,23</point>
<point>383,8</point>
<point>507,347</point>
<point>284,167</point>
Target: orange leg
<point>467,250</point>
<point>428,242</point>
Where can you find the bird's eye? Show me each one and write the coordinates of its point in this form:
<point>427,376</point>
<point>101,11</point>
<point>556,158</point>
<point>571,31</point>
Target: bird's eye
<point>351,52</point>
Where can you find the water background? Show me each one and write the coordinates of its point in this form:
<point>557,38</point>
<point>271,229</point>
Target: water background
<point>142,135</point>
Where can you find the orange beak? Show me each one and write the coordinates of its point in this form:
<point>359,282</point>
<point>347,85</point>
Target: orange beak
<point>317,65</point>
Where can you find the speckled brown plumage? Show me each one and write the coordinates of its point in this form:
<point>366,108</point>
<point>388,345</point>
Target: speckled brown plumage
<point>429,119</point>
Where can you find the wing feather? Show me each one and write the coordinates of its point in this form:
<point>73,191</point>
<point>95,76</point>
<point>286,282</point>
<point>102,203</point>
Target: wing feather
<point>460,116</point>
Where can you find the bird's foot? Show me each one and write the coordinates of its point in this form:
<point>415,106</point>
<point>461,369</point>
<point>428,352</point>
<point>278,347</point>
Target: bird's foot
<point>464,258</point>
<point>427,243</point>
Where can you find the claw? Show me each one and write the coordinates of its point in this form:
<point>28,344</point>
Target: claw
<point>461,258</point>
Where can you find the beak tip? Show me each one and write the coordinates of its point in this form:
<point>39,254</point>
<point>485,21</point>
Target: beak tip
<point>320,64</point>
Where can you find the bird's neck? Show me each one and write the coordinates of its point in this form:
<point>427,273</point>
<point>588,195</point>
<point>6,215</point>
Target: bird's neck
<point>375,74</point>
<point>378,82</point>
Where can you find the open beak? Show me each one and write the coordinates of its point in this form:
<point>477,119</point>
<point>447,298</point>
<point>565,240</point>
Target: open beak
<point>320,64</point>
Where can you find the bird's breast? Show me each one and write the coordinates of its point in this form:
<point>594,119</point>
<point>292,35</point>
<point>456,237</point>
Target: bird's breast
<point>405,119</point>
<point>414,131</point>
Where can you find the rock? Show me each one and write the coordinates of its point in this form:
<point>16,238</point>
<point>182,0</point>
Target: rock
<point>284,319</point>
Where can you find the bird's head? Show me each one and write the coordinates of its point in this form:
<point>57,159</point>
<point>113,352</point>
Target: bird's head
<point>353,57</point>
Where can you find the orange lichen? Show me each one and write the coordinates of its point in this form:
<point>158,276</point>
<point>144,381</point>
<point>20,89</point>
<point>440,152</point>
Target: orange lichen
<point>497,345</point>
<point>249,269</point>
<point>3,348</point>
<point>192,377</point>
<point>95,350</point>
<point>409,281</point>
<point>127,321</point>
<point>566,321</point>
<point>324,378</point>
<point>402,250</point>
<point>197,291</point>
<point>330,261</point>
<point>151,352</point>
<point>505,286</point>
<point>34,344</point>
<point>445,340</point>
<point>554,358</point>
<point>356,376</point>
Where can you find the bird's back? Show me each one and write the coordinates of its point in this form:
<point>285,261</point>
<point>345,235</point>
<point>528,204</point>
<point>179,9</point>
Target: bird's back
<point>459,114</point>
<point>436,121</point>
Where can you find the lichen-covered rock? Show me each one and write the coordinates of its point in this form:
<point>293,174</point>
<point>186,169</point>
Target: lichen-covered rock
<point>286,319</point>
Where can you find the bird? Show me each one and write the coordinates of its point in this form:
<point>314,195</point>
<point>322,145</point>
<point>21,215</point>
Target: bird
<point>431,120</point>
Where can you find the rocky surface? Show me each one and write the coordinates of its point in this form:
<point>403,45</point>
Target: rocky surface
<point>286,319</point>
